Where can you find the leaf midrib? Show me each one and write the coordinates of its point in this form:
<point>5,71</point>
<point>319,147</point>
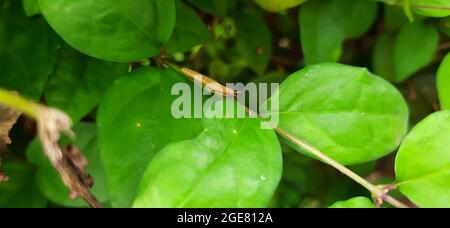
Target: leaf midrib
<point>434,173</point>
<point>142,30</point>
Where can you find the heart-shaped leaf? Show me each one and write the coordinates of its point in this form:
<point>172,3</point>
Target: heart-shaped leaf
<point>233,163</point>
<point>443,82</point>
<point>135,122</point>
<point>121,30</point>
<point>422,165</point>
<point>79,82</point>
<point>348,113</point>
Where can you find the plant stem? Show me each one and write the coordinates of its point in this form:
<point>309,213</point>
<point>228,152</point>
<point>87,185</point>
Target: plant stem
<point>50,124</point>
<point>377,192</point>
<point>324,158</point>
<point>394,202</point>
<point>13,100</point>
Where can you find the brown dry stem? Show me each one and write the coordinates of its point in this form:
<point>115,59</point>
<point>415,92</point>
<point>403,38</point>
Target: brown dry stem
<point>380,195</point>
<point>70,163</point>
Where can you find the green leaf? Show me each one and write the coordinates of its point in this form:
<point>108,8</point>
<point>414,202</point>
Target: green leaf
<point>346,112</point>
<point>325,24</point>
<point>318,18</point>
<point>383,57</point>
<point>409,56</point>
<point>431,8</point>
<point>422,165</point>
<point>215,7</point>
<point>394,18</point>
<point>279,5</point>
<point>27,50</point>
<point>233,163</point>
<point>254,43</point>
<point>135,122</point>
<point>121,30</point>
<point>189,30</point>
<point>31,7</point>
<point>21,190</point>
<point>359,16</point>
<point>443,82</point>
<point>79,82</point>
<point>50,182</point>
<point>356,202</point>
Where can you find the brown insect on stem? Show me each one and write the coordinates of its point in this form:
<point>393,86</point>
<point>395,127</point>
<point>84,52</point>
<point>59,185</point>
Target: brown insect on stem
<point>210,84</point>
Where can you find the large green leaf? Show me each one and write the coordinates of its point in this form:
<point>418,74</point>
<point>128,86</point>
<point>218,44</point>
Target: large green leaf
<point>383,57</point>
<point>120,30</point>
<point>325,24</point>
<point>409,56</point>
<point>279,5</point>
<point>233,163</point>
<point>443,83</point>
<point>49,180</point>
<point>422,165</point>
<point>431,8</point>
<point>135,122</point>
<point>79,82</point>
<point>254,43</point>
<point>21,190</point>
<point>348,113</point>
<point>356,202</point>
<point>189,30</point>
<point>27,50</point>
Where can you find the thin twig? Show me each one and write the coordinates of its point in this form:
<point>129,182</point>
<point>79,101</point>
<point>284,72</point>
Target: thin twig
<point>324,158</point>
<point>380,195</point>
<point>394,202</point>
<point>417,6</point>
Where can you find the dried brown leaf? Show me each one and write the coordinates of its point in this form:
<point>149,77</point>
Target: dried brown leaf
<point>70,163</point>
<point>8,117</point>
